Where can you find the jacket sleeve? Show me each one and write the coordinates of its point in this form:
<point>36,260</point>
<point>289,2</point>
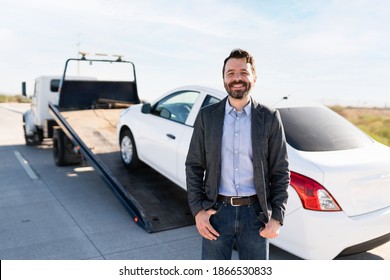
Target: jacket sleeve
<point>279,174</point>
<point>195,167</point>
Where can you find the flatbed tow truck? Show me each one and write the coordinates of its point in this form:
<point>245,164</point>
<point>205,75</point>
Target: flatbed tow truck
<point>84,129</point>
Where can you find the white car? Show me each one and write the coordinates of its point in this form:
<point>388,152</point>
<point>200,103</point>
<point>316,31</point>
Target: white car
<point>339,198</point>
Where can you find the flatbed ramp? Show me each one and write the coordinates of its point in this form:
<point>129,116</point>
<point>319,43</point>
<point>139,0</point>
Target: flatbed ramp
<point>155,203</point>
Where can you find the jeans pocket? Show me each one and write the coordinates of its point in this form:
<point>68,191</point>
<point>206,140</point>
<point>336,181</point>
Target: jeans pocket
<point>258,212</point>
<point>221,217</point>
<point>218,206</point>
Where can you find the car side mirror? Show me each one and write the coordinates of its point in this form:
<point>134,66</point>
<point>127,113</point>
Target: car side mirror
<point>146,108</point>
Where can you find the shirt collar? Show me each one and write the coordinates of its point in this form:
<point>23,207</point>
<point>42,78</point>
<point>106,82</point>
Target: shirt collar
<point>247,108</point>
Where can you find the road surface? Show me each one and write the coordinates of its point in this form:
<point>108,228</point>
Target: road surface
<point>47,212</point>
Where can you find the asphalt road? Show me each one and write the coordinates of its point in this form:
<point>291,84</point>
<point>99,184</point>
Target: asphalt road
<point>47,212</point>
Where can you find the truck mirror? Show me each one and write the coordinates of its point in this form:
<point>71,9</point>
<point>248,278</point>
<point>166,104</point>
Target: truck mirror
<point>24,92</point>
<point>146,108</point>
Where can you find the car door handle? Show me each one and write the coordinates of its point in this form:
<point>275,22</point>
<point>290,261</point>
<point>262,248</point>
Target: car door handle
<point>171,136</point>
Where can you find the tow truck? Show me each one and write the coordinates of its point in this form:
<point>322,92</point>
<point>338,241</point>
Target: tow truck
<point>79,112</point>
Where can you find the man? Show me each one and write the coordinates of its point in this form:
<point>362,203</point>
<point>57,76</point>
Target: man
<point>237,168</point>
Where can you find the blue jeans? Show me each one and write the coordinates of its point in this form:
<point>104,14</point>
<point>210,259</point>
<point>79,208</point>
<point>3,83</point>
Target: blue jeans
<point>236,225</point>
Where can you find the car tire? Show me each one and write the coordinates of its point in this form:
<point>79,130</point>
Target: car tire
<point>128,150</point>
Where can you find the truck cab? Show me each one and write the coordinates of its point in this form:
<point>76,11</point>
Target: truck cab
<point>38,123</point>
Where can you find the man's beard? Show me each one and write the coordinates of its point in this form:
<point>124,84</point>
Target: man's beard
<point>238,93</point>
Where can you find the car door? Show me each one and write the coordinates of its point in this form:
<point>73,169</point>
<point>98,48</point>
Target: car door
<point>203,101</point>
<point>163,130</point>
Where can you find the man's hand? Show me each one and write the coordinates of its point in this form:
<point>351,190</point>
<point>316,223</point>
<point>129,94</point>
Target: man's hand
<point>203,225</point>
<point>271,229</point>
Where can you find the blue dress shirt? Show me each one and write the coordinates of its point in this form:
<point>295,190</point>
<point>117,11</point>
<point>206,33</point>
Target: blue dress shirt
<point>236,153</point>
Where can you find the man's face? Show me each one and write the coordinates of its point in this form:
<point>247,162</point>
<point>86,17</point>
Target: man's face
<point>239,78</point>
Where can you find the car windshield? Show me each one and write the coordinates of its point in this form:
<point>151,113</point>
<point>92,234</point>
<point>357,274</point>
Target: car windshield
<point>315,129</point>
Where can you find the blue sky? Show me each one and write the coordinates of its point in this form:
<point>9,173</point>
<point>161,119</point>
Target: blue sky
<point>335,52</point>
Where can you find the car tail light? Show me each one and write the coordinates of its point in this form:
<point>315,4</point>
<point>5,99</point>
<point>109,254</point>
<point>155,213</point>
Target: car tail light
<point>312,194</point>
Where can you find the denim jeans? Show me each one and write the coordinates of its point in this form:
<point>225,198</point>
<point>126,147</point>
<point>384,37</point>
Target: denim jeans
<point>236,226</point>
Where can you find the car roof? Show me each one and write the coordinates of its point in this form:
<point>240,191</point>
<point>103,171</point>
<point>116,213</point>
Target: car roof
<point>276,102</point>
<point>291,102</point>
<point>213,91</point>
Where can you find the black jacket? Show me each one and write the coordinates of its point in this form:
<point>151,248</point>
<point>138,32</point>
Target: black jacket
<point>270,161</point>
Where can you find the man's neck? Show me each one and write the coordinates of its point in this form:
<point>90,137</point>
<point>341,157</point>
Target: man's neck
<point>239,104</point>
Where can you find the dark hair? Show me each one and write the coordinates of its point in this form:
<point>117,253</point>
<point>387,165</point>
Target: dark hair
<point>240,53</point>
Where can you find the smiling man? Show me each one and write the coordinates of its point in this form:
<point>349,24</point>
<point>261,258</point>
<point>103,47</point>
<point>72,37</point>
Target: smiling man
<point>237,168</point>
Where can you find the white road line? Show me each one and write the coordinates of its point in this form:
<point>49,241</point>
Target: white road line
<point>26,166</point>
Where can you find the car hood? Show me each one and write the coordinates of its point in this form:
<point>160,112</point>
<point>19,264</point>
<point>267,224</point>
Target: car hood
<point>359,179</point>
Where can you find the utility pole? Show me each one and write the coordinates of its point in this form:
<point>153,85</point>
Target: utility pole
<point>78,52</point>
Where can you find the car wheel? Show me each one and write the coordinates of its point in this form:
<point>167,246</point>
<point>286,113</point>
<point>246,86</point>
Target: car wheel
<point>128,150</point>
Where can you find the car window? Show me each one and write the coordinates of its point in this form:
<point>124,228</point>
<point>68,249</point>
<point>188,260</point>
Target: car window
<point>320,129</point>
<point>210,100</point>
<point>177,106</point>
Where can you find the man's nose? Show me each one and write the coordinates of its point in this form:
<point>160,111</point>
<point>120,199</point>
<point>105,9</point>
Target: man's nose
<point>238,76</point>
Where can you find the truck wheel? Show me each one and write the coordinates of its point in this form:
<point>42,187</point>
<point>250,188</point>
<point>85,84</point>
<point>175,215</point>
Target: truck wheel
<point>39,136</point>
<point>63,153</point>
<point>128,150</point>
<point>29,138</point>
<point>34,139</point>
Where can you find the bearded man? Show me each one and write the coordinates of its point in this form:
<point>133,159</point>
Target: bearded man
<point>237,168</point>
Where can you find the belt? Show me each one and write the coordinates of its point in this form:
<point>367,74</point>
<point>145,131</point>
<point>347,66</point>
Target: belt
<point>238,200</point>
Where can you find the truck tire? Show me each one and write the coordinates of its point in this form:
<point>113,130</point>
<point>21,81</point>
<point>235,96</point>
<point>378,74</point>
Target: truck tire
<point>35,139</point>
<point>63,153</point>
<point>128,150</point>
<point>29,138</point>
<point>39,136</point>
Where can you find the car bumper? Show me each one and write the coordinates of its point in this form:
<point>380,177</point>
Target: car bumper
<point>326,235</point>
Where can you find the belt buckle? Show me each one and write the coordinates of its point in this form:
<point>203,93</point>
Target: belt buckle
<point>232,203</point>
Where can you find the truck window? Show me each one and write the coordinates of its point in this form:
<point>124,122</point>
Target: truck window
<point>54,85</point>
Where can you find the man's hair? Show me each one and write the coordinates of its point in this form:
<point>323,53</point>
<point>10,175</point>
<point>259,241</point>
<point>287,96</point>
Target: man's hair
<point>240,53</point>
